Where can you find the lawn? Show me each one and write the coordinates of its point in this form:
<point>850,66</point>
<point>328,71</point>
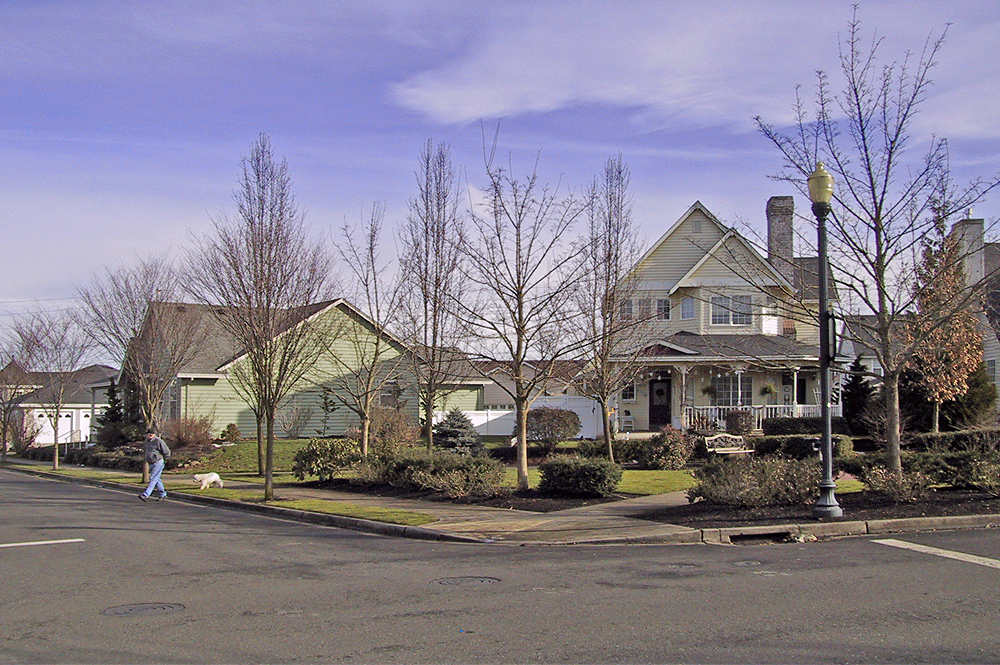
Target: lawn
<point>242,458</point>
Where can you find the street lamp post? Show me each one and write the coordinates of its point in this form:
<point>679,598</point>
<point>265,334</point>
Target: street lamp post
<point>821,193</point>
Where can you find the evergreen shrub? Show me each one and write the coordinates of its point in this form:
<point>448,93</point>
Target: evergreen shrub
<point>575,477</point>
<point>784,426</point>
<point>457,434</point>
<point>326,458</point>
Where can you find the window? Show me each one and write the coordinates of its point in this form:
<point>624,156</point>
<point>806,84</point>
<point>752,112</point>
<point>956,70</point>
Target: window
<point>628,393</point>
<point>390,394</point>
<point>625,310</point>
<point>991,370</point>
<point>687,308</point>
<point>730,392</point>
<point>645,309</point>
<point>663,309</point>
<point>736,310</point>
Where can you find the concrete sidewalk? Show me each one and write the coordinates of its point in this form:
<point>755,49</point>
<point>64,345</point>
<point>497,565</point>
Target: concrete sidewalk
<point>605,523</point>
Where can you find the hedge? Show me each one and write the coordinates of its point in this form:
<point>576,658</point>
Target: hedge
<point>785,426</point>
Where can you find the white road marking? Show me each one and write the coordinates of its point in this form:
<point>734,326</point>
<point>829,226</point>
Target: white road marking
<point>937,551</point>
<point>43,542</point>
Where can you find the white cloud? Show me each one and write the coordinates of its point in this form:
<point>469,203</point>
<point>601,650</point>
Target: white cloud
<point>696,63</point>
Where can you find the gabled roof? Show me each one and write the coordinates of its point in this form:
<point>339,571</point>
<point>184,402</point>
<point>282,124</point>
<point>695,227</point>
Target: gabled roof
<point>696,206</point>
<point>78,390</point>
<point>731,234</point>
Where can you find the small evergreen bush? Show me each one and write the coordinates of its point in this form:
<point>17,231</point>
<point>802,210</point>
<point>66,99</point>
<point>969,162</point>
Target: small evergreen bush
<point>739,423</point>
<point>576,477</point>
<point>457,434</point>
<point>753,482</point>
<point>626,450</point>
<point>326,458</point>
<point>550,427</point>
<point>232,433</point>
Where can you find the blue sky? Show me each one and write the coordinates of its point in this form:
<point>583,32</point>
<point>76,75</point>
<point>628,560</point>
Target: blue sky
<point>122,123</point>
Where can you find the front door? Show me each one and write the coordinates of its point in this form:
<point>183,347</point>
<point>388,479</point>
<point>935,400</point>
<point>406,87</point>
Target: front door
<point>659,403</point>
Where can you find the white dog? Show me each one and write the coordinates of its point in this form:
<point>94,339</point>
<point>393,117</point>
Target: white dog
<point>208,479</point>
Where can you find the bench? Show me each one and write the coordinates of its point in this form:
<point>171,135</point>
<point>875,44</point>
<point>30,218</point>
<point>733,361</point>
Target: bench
<point>726,444</point>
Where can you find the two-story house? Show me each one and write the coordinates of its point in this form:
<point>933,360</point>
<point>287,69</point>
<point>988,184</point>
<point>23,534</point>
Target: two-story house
<point>733,329</point>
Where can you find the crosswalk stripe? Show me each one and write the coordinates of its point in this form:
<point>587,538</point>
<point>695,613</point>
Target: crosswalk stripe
<point>43,542</point>
<point>937,551</point>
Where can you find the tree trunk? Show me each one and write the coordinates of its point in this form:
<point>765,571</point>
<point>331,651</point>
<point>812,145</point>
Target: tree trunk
<point>892,433</point>
<point>935,417</point>
<point>261,464</point>
<point>269,463</point>
<point>365,433</point>
<point>522,445</point>
<point>55,443</point>
<point>609,438</point>
<point>429,419</point>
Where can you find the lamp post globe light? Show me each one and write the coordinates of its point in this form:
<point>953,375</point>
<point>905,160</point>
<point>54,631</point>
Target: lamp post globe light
<point>821,193</point>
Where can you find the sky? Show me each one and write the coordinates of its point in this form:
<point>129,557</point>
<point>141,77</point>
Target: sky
<point>122,124</point>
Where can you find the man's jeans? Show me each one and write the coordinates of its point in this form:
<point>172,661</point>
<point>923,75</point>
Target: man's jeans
<point>155,469</point>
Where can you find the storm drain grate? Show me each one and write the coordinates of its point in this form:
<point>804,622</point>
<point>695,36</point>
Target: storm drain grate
<point>143,610</point>
<point>466,581</point>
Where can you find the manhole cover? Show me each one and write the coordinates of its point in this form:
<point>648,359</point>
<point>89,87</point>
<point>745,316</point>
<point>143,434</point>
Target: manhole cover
<point>143,609</point>
<point>680,566</point>
<point>746,564</point>
<point>467,581</point>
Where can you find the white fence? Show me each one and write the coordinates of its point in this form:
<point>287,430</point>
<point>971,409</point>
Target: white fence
<point>501,422</point>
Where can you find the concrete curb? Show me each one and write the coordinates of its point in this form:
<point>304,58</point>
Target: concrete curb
<point>322,519</point>
<point>718,536</point>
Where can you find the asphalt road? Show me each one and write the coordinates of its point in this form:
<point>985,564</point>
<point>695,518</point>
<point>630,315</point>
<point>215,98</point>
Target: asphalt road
<point>236,588</point>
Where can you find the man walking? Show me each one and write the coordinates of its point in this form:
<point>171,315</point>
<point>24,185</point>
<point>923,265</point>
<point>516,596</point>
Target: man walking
<point>156,451</point>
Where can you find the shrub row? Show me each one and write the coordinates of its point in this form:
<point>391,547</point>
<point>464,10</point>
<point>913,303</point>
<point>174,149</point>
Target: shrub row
<point>754,482</point>
<point>569,476</point>
<point>669,449</point>
<point>454,474</point>
<point>966,470</point>
<point>784,426</point>
<point>798,446</point>
<point>982,440</point>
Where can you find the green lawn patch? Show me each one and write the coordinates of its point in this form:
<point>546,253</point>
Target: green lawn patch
<point>375,514</point>
<point>655,482</point>
<point>242,458</point>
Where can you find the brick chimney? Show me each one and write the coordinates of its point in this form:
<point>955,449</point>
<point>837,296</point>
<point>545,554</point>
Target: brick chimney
<point>970,237</point>
<point>780,212</point>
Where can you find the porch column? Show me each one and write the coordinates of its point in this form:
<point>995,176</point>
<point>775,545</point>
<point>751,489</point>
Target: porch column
<point>683,370</point>
<point>795,392</point>
<point>739,386</point>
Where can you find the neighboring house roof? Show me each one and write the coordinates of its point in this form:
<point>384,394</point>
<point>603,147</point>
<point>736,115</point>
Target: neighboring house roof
<point>701,349</point>
<point>78,390</point>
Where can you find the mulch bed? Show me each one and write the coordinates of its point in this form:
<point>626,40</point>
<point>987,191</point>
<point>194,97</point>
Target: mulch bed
<point>857,506</point>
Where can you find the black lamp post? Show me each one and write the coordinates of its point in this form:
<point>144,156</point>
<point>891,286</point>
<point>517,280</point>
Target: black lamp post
<point>821,193</point>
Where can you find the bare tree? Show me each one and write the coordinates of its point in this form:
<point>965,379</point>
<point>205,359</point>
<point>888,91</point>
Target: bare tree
<point>130,312</point>
<point>15,382</point>
<point>265,274</point>
<point>884,203</point>
<point>56,348</point>
<point>522,272</point>
<point>431,254</point>
<point>613,344</point>
<point>363,355</point>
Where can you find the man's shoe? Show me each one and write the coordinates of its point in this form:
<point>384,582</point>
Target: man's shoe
<point>142,498</point>
<point>161,498</point>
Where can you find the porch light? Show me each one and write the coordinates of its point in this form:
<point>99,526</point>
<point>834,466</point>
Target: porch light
<point>821,193</point>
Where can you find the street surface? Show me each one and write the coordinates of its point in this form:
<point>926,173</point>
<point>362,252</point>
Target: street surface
<point>112,580</point>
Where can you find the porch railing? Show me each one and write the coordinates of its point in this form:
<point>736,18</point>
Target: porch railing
<point>714,417</point>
